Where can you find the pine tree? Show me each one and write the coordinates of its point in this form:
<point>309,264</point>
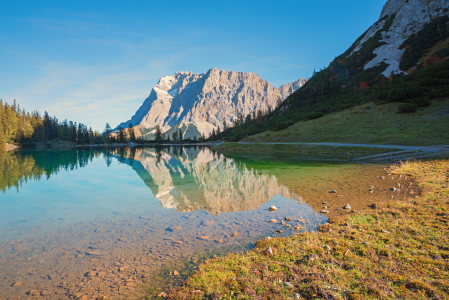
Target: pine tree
<point>121,136</point>
<point>158,134</point>
<point>80,135</point>
<point>2,140</point>
<point>131,134</point>
<point>175,136</point>
<point>107,132</point>
<point>180,135</point>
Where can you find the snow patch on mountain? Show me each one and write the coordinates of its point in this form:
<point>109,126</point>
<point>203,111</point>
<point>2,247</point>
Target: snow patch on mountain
<point>411,16</point>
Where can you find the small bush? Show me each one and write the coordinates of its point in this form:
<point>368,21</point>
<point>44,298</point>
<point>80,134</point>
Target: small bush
<point>407,107</point>
<point>315,116</point>
<point>421,101</point>
<point>283,125</point>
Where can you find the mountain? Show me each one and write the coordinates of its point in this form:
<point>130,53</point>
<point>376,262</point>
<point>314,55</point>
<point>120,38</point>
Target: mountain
<point>198,103</point>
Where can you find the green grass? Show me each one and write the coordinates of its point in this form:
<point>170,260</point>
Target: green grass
<point>398,250</point>
<point>370,124</point>
<point>302,152</point>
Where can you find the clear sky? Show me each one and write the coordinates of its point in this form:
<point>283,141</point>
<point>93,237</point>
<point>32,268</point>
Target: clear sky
<point>96,61</point>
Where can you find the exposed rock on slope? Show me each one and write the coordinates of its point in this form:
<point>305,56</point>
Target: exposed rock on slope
<point>198,103</point>
<point>402,19</point>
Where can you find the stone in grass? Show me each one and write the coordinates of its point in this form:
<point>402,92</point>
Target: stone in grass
<point>175,273</point>
<point>327,248</point>
<point>324,211</point>
<point>334,192</point>
<point>288,285</point>
<point>347,206</point>
<point>270,251</point>
<point>273,208</point>
<point>162,295</point>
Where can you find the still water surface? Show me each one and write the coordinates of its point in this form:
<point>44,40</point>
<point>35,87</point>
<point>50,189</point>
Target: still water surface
<point>118,222</point>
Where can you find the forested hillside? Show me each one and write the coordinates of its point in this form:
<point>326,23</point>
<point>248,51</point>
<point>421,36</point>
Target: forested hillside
<point>346,83</point>
<point>20,127</point>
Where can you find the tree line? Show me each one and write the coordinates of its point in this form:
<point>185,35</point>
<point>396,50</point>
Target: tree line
<point>18,126</point>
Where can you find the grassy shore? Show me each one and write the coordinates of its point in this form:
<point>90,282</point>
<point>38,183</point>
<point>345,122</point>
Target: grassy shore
<point>303,152</point>
<point>370,124</point>
<point>398,250</point>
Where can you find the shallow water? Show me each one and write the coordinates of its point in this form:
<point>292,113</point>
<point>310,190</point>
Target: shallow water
<point>118,222</point>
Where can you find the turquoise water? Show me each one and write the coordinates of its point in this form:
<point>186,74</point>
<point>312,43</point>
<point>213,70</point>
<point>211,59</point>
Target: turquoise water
<point>149,211</point>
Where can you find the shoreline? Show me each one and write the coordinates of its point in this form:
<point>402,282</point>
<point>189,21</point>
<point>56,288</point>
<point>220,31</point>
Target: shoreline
<point>393,240</point>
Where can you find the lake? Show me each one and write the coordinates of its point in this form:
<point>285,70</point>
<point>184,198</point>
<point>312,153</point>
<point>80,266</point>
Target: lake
<point>127,222</point>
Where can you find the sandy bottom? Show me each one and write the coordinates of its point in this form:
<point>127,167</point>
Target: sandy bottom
<point>129,258</point>
<point>359,186</point>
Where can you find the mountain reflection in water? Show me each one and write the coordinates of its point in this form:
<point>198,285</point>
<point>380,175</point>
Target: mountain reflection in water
<point>182,178</point>
<point>189,179</point>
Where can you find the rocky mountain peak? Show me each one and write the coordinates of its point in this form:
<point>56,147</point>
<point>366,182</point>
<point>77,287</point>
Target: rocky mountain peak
<point>198,103</point>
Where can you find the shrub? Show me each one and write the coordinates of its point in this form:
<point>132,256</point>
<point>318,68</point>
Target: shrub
<point>283,125</point>
<point>315,115</point>
<point>420,101</point>
<point>407,107</point>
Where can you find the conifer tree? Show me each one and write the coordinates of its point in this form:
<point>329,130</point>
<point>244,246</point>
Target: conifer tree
<point>107,132</point>
<point>158,134</point>
<point>131,134</point>
<point>121,135</point>
<point>79,134</point>
<point>175,136</point>
<point>2,140</point>
<point>180,135</point>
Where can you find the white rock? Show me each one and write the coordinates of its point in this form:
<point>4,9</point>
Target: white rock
<point>273,208</point>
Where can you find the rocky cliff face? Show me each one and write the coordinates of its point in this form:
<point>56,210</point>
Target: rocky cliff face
<point>410,16</point>
<point>198,103</point>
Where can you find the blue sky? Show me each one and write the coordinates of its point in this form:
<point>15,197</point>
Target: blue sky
<point>96,61</point>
